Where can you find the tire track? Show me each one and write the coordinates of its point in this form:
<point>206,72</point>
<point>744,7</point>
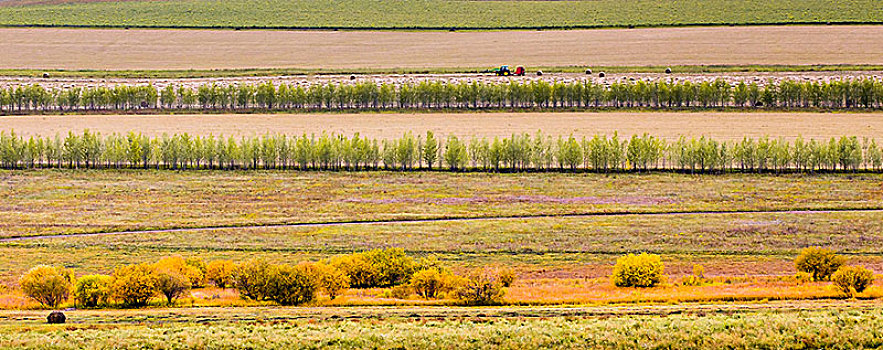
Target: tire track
<point>444,219</point>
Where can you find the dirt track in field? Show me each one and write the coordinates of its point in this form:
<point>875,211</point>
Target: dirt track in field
<point>45,48</point>
<point>670,125</point>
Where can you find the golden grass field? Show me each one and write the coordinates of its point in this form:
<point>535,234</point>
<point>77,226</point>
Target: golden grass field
<point>111,49</point>
<point>669,125</point>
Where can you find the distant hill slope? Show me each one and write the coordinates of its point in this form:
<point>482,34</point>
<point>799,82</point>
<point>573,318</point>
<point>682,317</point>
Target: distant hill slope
<point>433,14</point>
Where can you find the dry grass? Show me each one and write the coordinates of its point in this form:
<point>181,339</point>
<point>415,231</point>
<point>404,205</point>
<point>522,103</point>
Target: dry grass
<point>670,125</point>
<point>206,49</point>
<point>50,201</point>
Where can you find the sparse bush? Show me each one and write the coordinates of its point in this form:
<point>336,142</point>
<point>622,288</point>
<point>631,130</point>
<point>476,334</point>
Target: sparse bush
<point>134,285</point>
<point>852,279</point>
<point>48,285</point>
<point>507,277</point>
<point>93,290</point>
<point>331,279</point>
<point>401,291</point>
<point>484,288</point>
<point>645,270</point>
<point>250,279</point>
<point>291,285</point>
<point>171,284</point>
<point>819,262</point>
<point>220,273</point>
<point>176,265</point>
<point>802,277</point>
<point>697,278</point>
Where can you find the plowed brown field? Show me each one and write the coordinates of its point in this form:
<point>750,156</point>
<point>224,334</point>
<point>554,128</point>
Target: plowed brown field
<point>721,126</point>
<point>105,49</point>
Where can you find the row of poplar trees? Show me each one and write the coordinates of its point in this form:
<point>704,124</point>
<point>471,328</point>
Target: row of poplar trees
<point>848,93</point>
<point>516,153</point>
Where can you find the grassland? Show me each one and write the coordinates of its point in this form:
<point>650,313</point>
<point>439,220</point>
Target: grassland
<point>722,126</point>
<point>433,328</point>
<point>438,14</point>
<point>557,254</point>
<point>47,201</point>
<point>323,51</point>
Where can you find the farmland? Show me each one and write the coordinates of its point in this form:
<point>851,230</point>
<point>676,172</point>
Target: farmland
<point>325,174</point>
<point>437,14</point>
<point>723,126</point>
<point>317,51</point>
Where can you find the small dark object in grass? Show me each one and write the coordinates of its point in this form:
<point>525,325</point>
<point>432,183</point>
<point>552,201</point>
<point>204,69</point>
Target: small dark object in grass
<point>352,77</point>
<point>668,71</point>
<point>45,75</point>
<point>588,71</point>
<point>602,74</point>
<point>56,317</point>
<point>539,73</point>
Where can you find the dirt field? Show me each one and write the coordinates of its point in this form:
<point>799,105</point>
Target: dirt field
<point>208,49</point>
<point>722,126</point>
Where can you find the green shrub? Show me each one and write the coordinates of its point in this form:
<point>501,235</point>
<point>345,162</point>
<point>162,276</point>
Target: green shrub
<point>852,279</point>
<point>220,273</point>
<point>250,279</point>
<point>48,285</point>
<point>645,270</point>
<point>376,268</point>
<point>291,285</point>
<point>819,262</point>
<point>484,288</point>
<point>93,290</point>
<point>392,266</point>
<point>134,285</point>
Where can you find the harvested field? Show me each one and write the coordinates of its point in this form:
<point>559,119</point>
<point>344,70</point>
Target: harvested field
<point>210,49</point>
<point>669,125</point>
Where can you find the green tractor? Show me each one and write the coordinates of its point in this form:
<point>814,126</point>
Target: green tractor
<point>504,71</point>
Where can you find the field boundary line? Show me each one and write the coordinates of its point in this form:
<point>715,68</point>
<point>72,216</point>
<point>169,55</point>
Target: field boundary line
<point>445,219</point>
<point>430,28</point>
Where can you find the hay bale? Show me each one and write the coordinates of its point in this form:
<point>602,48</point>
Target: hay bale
<point>56,317</point>
<point>602,74</point>
<point>588,71</point>
<point>667,70</point>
